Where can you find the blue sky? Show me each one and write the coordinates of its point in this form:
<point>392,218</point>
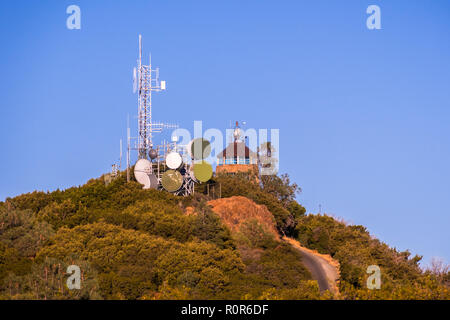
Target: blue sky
<point>363,114</point>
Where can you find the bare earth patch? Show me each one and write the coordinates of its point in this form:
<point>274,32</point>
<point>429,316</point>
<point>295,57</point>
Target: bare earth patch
<point>236,210</point>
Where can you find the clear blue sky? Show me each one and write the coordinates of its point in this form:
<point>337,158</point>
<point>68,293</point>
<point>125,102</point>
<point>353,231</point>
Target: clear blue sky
<point>364,116</point>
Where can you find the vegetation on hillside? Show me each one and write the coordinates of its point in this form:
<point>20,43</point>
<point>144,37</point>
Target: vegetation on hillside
<point>136,244</point>
<point>146,244</point>
<point>356,249</point>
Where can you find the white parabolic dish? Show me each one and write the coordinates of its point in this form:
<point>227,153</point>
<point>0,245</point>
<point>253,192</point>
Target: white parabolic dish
<point>173,160</point>
<point>142,172</point>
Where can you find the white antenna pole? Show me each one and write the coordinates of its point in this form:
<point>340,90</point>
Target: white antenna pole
<point>140,111</point>
<point>147,81</point>
<point>150,122</point>
<point>120,156</point>
<point>128,148</point>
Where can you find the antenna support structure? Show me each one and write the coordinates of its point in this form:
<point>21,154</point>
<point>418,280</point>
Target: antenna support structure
<point>145,81</point>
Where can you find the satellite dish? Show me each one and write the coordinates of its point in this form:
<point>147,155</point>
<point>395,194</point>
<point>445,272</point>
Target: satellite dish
<point>199,149</point>
<point>142,172</point>
<point>172,180</point>
<point>134,80</point>
<point>202,171</point>
<point>173,160</point>
<point>152,154</point>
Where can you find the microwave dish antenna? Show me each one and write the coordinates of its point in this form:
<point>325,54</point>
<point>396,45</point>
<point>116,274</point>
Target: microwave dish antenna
<point>142,172</point>
<point>174,160</point>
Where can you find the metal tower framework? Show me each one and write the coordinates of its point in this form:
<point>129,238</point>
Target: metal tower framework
<point>147,82</point>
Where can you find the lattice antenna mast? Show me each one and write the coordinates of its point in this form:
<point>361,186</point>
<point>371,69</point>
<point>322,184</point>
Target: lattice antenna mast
<point>147,82</point>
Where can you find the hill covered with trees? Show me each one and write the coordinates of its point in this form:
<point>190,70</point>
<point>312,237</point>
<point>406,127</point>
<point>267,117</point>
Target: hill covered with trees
<point>146,244</point>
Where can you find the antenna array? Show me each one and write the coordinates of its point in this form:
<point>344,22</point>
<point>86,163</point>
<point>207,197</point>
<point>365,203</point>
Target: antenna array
<point>147,81</point>
<point>170,166</point>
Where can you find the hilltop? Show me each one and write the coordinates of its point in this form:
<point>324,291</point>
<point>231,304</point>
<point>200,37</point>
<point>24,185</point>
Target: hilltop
<point>132,243</point>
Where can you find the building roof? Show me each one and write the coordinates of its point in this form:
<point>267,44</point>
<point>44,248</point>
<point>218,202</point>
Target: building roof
<point>237,149</point>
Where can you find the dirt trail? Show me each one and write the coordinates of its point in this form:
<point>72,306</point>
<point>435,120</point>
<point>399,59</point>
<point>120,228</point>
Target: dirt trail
<point>236,210</point>
<point>323,268</point>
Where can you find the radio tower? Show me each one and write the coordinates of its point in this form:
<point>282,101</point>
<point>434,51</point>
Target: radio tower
<point>147,81</point>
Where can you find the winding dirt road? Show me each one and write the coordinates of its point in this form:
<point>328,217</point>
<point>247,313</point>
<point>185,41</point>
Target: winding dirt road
<point>323,268</point>
<point>237,209</point>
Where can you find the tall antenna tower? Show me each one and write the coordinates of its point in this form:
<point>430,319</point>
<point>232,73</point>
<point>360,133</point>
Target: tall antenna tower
<point>146,81</point>
<point>165,166</point>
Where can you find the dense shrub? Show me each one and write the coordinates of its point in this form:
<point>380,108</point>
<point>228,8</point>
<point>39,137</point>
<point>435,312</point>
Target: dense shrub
<point>356,249</point>
<point>131,264</point>
<point>21,230</point>
<point>147,244</point>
